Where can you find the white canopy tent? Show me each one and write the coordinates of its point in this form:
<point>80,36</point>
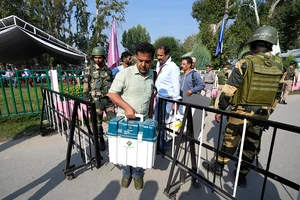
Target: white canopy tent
<point>21,41</point>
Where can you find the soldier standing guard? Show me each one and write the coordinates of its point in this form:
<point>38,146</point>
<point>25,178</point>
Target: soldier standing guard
<point>253,89</point>
<point>97,81</point>
<point>292,73</point>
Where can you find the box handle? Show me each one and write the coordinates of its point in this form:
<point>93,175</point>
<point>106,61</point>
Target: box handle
<point>137,115</point>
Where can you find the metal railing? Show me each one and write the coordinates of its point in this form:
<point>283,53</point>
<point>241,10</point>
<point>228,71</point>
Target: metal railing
<point>21,94</point>
<point>75,119</point>
<point>192,173</point>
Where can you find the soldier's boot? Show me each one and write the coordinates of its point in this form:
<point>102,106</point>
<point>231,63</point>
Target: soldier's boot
<point>282,102</point>
<point>102,143</point>
<point>215,167</point>
<point>101,138</point>
<point>242,181</point>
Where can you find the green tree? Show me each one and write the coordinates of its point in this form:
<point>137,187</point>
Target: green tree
<point>56,18</point>
<point>202,54</point>
<point>286,19</point>
<point>134,36</point>
<point>175,46</point>
<point>287,60</point>
<point>209,14</point>
<point>9,7</point>
<point>81,37</point>
<point>242,19</point>
<point>189,42</point>
<point>46,15</point>
<point>106,11</point>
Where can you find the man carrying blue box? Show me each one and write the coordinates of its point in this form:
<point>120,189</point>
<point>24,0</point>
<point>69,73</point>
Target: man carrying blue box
<point>133,91</point>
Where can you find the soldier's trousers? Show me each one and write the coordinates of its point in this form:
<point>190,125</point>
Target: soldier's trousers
<point>232,137</point>
<point>287,87</point>
<point>100,109</point>
<point>220,87</point>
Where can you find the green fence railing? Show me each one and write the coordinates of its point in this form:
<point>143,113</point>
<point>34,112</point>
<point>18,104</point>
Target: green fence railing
<point>71,81</point>
<point>21,94</point>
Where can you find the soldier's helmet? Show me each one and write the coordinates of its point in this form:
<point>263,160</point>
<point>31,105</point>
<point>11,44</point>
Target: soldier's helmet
<point>98,51</point>
<point>264,33</point>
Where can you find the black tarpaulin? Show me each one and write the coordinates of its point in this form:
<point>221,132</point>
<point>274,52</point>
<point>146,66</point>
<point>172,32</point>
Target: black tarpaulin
<point>20,41</point>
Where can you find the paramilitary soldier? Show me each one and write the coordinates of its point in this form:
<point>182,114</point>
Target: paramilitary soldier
<point>253,89</point>
<point>292,73</point>
<point>223,76</point>
<point>97,81</point>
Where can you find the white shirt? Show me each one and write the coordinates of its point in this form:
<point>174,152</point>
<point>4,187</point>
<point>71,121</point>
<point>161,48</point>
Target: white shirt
<point>167,82</point>
<point>8,74</point>
<point>27,72</point>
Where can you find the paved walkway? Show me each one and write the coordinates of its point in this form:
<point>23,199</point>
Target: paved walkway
<point>32,168</point>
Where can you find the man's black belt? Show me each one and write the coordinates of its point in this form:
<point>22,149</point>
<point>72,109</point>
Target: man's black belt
<point>209,83</point>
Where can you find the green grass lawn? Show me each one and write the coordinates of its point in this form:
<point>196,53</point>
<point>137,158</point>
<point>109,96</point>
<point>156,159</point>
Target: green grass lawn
<point>15,127</point>
<point>25,99</point>
<point>25,103</point>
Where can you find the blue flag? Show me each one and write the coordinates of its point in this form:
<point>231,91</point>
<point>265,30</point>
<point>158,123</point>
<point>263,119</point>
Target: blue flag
<point>221,37</point>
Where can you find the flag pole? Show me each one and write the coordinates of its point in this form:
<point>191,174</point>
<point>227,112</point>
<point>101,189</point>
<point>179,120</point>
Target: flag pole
<point>219,48</point>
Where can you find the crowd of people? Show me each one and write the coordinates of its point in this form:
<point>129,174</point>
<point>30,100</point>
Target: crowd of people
<point>253,87</point>
<point>135,88</point>
<point>14,76</point>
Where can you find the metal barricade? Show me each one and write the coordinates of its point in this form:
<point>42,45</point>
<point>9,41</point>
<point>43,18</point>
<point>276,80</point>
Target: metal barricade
<point>191,173</point>
<point>76,120</point>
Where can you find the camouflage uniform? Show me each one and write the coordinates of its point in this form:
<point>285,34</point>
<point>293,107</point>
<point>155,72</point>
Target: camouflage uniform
<point>253,89</point>
<point>291,73</point>
<point>252,92</point>
<point>223,76</point>
<point>97,82</point>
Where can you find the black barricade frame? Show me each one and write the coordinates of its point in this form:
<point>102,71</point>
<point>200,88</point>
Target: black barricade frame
<point>61,111</point>
<point>187,174</point>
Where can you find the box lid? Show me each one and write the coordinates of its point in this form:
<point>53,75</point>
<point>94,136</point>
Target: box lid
<point>149,129</point>
<point>134,129</point>
<point>130,128</point>
<point>114,127</point>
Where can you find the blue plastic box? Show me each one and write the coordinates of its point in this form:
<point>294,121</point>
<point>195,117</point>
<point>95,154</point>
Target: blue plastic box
<point>132,142</point>
<point>114,127</point>
<point>145,131</point>
<point>133,129</point>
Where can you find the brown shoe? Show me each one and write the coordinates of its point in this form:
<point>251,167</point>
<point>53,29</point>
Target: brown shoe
<point>138,183</point>
<point>125,182</point>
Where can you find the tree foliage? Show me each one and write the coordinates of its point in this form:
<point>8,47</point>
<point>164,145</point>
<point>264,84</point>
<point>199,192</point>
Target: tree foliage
<point>175,46</point>
<point>241,22</point>
<point>106,11</point>
<point>202,55</point>
<point>286,19</point>
<point>134,36</point>
<point>189,42</point>
<point>68,20</point>
<point>286,62</point>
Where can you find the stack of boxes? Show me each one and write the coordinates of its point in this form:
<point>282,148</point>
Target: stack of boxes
<point>132,142</point>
